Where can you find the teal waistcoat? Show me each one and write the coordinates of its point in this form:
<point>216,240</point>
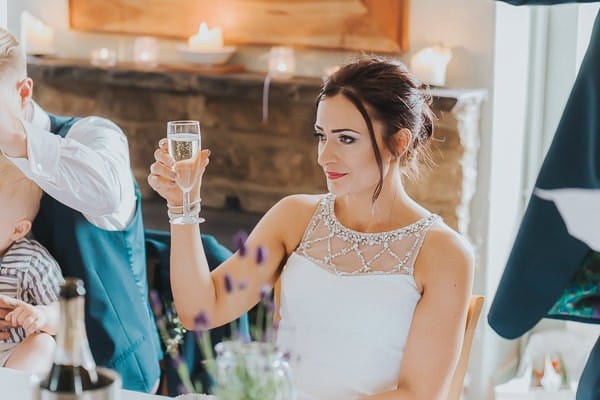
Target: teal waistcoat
<point>120,326</point>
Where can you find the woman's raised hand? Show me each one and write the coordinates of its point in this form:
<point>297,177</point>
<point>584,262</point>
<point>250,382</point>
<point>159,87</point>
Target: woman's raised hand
<point>164,173</point>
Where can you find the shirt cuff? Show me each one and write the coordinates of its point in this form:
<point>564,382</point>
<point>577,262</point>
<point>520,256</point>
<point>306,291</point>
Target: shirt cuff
<point>43,153</point>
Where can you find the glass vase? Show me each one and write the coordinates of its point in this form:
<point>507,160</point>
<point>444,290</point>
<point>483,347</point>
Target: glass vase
<point>252,371</point>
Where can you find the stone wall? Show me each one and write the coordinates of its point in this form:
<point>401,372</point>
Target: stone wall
<point>252,162</point>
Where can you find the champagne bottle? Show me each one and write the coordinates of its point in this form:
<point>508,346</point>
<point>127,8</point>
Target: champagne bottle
<point>74,370</point>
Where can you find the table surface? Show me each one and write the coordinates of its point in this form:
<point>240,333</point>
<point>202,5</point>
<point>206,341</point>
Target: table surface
<point>17,385</point>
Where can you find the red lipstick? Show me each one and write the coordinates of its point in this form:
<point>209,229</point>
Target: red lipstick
<point>334,175</point>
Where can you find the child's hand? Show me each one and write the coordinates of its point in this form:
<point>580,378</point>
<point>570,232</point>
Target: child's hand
<point>7,305</point>
<point>31,318</point>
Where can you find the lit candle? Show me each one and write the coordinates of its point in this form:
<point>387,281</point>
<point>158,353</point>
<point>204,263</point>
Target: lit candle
<point>36,37</point>
<point>429,65</point>
<point>282,62</point>
<point>206,39</point>
<point>145,52</point>
<point>103,57</point>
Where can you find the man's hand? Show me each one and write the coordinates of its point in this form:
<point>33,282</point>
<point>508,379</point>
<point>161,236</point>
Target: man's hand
<point>13,139</point>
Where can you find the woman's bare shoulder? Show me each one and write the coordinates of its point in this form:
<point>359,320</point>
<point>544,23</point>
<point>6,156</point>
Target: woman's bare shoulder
<point>445,254</point>
<point>292,214</point>
<point>297,209</point>
<point>301,202</point>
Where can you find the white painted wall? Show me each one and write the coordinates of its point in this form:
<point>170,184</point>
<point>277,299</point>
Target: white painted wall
<point>3,13</point>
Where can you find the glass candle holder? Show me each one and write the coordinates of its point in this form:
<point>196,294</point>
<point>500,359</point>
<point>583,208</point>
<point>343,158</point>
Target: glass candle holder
<point>282,62</point>
<point>145,52</point>
<point>103,57</point>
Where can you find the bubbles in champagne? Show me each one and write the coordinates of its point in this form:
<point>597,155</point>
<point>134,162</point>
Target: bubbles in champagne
<point>183,146</point>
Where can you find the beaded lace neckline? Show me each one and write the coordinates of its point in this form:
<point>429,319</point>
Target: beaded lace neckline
<point>344,251</point>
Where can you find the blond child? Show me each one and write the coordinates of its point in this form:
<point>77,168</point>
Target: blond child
<point>29,278</point>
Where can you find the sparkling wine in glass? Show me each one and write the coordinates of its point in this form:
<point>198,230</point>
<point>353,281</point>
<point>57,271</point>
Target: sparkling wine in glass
<point>184,144</point>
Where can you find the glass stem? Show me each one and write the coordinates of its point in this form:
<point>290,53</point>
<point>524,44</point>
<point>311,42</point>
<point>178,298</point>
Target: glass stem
<point>186,204</point>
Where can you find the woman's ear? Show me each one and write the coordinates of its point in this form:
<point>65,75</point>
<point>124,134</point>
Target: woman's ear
<point>402,140</point>
<point>21,229</point>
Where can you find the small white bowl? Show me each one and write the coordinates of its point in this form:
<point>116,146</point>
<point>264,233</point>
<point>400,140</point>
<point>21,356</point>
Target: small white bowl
<point>210,57</point>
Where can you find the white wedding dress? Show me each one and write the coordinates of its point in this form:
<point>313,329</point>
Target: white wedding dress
<point>347,302</point>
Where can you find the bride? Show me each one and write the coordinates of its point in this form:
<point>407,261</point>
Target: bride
<point>374,287</point>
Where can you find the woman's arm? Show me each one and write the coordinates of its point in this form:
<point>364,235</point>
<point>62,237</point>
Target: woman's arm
<point>219,294</point>
<point>196,289</point>
<point>445,268</point>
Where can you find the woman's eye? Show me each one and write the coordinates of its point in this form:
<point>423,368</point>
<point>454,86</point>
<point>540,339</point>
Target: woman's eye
<point>319,136</point>
<point>347,139</point>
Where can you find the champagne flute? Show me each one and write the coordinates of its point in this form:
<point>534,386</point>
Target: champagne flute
<point>184,144</point>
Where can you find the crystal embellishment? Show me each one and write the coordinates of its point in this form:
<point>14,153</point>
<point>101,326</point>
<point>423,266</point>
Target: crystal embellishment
<point>344,251</point>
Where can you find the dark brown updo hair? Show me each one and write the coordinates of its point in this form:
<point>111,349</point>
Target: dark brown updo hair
<point>392,95</point>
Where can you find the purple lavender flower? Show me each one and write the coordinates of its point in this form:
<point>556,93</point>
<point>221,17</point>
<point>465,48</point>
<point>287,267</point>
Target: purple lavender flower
<point>155,303</point>
<point>228,283</point>
<point>261,255</point>
<point>239,240</point>
<point>265,293</point>
<point>181,389</point>
<point>242,285</point>
<point>269,306</point>
<point>177,362</point>
<point>201,322</point>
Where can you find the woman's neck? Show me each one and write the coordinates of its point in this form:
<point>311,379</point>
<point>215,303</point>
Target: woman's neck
<point>392,209</point>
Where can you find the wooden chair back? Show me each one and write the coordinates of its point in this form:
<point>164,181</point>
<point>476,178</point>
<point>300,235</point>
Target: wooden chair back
<point>456,386</point>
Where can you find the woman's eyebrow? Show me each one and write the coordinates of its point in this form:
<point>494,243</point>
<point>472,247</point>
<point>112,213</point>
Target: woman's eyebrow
<point>317,127</point>
<point>344,130</point>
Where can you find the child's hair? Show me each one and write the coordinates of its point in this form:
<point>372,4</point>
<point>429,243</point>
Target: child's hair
<point>18,189</point>
<point>11,53</point>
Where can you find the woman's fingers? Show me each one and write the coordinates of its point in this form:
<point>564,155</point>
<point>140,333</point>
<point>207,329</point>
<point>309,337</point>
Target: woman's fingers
<point>163,173</point>
<point>161,184</point>
<point>204,158</point>
<point>162,154</point>
<point>163,145</point>
<point>162,170</point>
<point>199,164</point>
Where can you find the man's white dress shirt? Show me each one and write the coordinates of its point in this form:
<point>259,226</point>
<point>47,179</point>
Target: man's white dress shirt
<point>88,170</point>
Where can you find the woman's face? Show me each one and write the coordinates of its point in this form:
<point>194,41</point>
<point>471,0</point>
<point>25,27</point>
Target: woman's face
<point>344,150</point>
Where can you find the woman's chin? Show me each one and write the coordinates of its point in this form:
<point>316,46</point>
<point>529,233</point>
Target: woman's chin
<point>337,189</point>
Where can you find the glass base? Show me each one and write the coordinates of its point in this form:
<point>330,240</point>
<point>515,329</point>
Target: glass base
<point>187,220</point>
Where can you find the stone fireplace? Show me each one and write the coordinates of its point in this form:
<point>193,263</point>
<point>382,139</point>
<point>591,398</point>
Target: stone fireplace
<point>253,164</point>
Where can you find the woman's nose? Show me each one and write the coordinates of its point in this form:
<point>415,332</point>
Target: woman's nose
<point>326,153</point>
